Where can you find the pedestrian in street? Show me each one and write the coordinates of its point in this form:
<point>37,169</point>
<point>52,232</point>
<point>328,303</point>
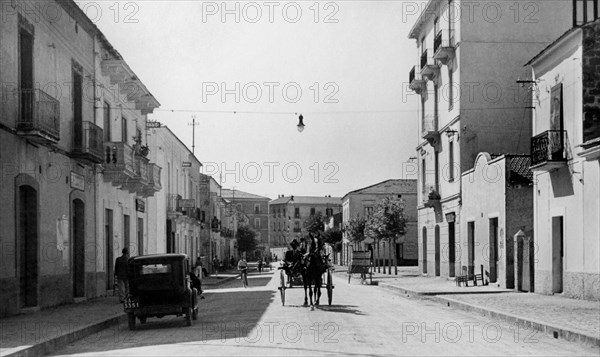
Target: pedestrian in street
<point>216,265</point>
<point>121,274</point>
<point>232,261</point>
<point>242,267</point>
<point>260,263</point>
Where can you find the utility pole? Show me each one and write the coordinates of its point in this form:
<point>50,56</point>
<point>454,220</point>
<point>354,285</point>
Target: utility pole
<point>193,125</point>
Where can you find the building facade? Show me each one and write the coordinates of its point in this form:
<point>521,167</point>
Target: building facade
<point>180,211</point>
<point>256,209</point>
<point>498,218</point>
<point>565,160</point>
<point>58,152</point>
<point>287,215</point>
<point>361,202</point>
<point>465,77</point>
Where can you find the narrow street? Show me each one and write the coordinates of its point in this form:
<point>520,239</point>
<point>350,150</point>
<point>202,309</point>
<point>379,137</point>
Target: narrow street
<point>363,320</point>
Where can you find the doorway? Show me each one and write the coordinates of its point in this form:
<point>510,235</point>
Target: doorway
<point>140,236</point>
<point>493,250</point>
<point>471,248</point>
<point>424,250</point>
<point>557,254</point>
<point>437,250</point>
<point>28,246</point>
<point>108,239</point>
<point>451,249</point>
<point>78,248</point>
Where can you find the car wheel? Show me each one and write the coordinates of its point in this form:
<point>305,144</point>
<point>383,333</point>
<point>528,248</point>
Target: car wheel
<point>188,316</point>
<point>131,320</point>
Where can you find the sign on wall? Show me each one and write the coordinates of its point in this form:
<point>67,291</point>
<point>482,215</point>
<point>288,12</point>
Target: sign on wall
<point>188,203</point>
<point>77,181</point>
<point>140,205</point>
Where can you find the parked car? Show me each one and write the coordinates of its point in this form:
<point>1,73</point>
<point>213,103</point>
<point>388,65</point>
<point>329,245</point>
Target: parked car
<point>159,285</point>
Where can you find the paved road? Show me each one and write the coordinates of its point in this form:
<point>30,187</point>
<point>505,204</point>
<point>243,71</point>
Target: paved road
<point>363,320</point>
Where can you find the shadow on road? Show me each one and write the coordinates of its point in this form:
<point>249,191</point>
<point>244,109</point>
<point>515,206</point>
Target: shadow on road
<point>345,309</point>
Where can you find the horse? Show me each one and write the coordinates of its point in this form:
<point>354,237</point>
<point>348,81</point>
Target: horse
<point>312,274</point>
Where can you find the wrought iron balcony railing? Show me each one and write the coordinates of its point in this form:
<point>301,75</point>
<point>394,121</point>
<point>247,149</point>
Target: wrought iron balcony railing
<point>40,116</point>
<point>548,150</point>
<point>88,144</point>
<point>429,67</point>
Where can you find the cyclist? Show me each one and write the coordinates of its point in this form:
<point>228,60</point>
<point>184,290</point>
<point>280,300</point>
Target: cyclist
<point>243,268</point>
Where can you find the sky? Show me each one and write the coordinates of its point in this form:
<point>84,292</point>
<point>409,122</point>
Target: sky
<point>247,70</point>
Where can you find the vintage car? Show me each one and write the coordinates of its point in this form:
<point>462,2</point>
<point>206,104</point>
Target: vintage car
<point>159,285</point>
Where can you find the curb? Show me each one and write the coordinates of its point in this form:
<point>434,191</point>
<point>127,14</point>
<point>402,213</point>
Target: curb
<point>550,330</point>
<point>58,342</point>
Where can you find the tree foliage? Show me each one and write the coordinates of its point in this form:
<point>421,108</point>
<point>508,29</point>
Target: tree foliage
<point>333,237</point>
<point>388,220</point>
<point>246,239</point>
<point>356,229</point>
<point>315,223</point>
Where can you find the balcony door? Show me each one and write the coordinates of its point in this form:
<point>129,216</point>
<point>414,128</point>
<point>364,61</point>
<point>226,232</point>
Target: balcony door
<point>77,107</point>
<point>28,246</point>
<point>26,73</point>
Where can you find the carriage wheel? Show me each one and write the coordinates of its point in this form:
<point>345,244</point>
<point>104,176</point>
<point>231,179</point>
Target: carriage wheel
<point>282,287</point>
<point>329,287</point>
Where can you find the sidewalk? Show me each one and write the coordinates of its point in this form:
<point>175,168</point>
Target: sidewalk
<point>41,332</point>
<point>561,317</point>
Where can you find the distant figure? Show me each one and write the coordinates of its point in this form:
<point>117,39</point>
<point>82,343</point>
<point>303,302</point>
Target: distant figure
<point>232,261</point>
<point>260,264</point>
<point>216,265</point>
<point>121,274</point>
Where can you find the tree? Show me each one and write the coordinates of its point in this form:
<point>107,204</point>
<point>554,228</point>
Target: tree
<point>333,237</point>
<point>246,240</point>
<point>356,229</point>
<point>315,223</point>
<point>388,220</point>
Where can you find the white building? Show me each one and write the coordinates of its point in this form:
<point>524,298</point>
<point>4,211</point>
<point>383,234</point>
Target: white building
<point>566,162</point>
<point>468,59</point>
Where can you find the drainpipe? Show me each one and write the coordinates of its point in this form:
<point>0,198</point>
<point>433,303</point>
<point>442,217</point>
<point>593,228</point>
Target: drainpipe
<point>96,181</point>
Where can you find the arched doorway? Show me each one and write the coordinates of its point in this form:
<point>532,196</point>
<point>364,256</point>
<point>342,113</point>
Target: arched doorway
<point>424,250</point>
<point>28,246</point>
<point>437,250</point>
<point>78,210</point>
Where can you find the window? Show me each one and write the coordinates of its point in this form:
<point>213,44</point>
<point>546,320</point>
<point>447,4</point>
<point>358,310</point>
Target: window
<point>257,223</point>
<point>273,212</point>
<point>368,211</point>
<point>585,11</point>
<point>436,101</point>
<point>451,161</point>
<point>123,129</point>
<point>279,212</point>
<point>297,226</point>
<point>257,208</point>
<point>329,212</point>
<point>106,122</point>
<point>312,211</point>
<point>297,212</point>
<point>284,213</point>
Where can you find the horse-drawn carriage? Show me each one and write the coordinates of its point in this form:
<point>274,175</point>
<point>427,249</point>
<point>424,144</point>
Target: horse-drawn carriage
<point>310,270</point>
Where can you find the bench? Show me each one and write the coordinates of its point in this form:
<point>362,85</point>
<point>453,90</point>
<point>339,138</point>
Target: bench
<point>466,277</point>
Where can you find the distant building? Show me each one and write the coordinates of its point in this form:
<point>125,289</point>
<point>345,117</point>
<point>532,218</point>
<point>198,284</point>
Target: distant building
<point>565,154</point>
<point>256,209</point>
<point>287,215</point>
<point>361,202</point>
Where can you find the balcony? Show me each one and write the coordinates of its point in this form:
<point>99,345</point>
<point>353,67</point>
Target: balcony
<point>431,197</point>
<point>429,67</point>
<point>88,142</point>
<point>154,184</point>
<point>40,117</point>
<point>444,47</point>
<point>140,173</point>
<point>548,150</point>
<point>430,129</point>
<point>119,168</point>
<point>416,82</point>
<point>173,205</point>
